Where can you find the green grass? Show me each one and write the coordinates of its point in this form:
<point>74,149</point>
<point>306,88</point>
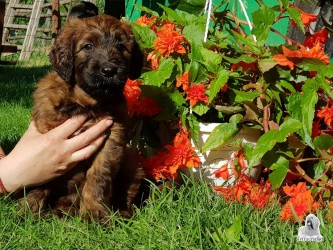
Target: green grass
<point>189,217</point>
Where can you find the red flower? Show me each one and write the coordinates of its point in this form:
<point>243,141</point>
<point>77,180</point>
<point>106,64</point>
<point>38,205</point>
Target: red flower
<point>289,58</point>
<point>318,37</point>
<point>294,190</point>
<point>247,191</point>
<point>145,21</point>
<point>154,60</point>
<point>132,91</point>
<point>146,107</point>
<point>316,129</point>
<point>142,106</point>
<point>245,66</point>
<point>326,114</point>
<point>169,40</point>
<point>300,203</point>
<point>223,173</point>
<point>261,195</point>
<point>183,81</point>
<point>176,156</point>
<point>197,93</point>
<point>307,18</point>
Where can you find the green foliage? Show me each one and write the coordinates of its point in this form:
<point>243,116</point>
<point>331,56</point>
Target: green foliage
<point>278,89</point>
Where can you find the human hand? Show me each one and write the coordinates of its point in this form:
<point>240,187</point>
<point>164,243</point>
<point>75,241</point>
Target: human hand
<point>38,158</point>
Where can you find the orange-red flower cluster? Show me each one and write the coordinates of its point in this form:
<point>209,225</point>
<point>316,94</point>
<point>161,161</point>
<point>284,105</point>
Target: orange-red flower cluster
<point>299,204</point>
<point>197,93</point>
<point>327,115</point>
<point>183,81</point>
<point>147,21</point>
<point>136,103</point>
<point>307,18</point>
<point>247,191</point>
<point>319,37</point>
<point>169,40</point>
<point>244,189</point>
<point>290,58</point>
<point>180,154</point>
<point>235,166</point>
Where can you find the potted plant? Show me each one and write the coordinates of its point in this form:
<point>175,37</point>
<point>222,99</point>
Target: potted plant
<point>237,80</point>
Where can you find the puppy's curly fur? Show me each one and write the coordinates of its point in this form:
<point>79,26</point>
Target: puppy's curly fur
<point>92,59</point>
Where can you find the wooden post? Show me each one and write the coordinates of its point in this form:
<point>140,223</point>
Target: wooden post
<point>2,17</point>
<point>55,19</point>
<point>4,48</point>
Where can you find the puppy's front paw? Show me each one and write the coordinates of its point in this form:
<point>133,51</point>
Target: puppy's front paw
<point>94,211</point>
<point>34,202</point>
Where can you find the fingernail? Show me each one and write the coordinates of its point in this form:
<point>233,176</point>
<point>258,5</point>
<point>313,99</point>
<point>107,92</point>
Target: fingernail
<point>109,122</point>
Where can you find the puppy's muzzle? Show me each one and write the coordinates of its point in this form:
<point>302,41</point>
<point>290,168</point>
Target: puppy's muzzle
<point>108,71</point>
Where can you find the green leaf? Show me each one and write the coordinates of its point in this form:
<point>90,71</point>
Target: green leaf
<point>287,86</point>
<point>268,140</point>
<point>233,233</point>
<point>245,96</point>
<point>243,58</point>
<point>211,56</point>
<point>143,35</point>
<point>263,19</point>
<point>313,64</point>
<point>194,128</point>
<point>194,34</point>
<point>218,83</point>
<point>173,15</point>
<point>323,141</point>
<point>147,10</point>
<point>327,88</point>
<point>280,170</point>
<point>266,64</point>
<point>309,100</point>
<point>249,42</point>
<point>296,16</point>
<point>191,6</point>
<point>200,109</point>
<point>285,3</point>
<point>159,76</point>
<point>221,134</point>
<point>318,169</point>
<point>294,102</point>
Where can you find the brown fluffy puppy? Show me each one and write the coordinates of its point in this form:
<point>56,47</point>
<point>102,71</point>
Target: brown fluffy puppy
<point>92,59</point>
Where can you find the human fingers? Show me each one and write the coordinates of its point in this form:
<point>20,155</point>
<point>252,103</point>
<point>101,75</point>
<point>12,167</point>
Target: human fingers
<point>88,136</point>
<point>67,128</point>
<point>85,152</point>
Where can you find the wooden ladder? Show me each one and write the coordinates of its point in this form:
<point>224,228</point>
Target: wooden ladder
<point>14,8</point>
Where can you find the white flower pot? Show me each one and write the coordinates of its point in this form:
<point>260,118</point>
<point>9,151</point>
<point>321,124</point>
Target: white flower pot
<point>214,159</point>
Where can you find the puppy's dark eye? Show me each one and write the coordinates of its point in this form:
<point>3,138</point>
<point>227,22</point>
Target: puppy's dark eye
<point>88,46</point>
<point>121,47</point>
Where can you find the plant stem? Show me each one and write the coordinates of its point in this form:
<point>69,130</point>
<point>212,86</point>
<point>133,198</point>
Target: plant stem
<point>304,175</point>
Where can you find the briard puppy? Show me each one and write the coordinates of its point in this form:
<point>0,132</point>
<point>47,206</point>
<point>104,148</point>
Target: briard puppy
<point>92,59</point>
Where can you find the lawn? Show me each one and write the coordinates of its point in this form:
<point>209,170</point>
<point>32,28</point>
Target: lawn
<point>190,216</point>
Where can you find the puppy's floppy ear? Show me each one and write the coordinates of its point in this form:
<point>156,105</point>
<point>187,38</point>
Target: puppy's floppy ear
<point>136,62</point>
<point>137,57</point>
<point>62,54</point>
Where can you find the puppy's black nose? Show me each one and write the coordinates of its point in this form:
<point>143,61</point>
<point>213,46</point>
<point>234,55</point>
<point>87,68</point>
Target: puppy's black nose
<point>108,71</point>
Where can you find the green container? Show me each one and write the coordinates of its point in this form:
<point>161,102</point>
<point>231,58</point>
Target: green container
<point>133,13</point>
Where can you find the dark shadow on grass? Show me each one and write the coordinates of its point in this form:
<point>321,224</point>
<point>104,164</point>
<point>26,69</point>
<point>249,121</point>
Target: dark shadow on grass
<point>8,144</point>
<point>18,83</point>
